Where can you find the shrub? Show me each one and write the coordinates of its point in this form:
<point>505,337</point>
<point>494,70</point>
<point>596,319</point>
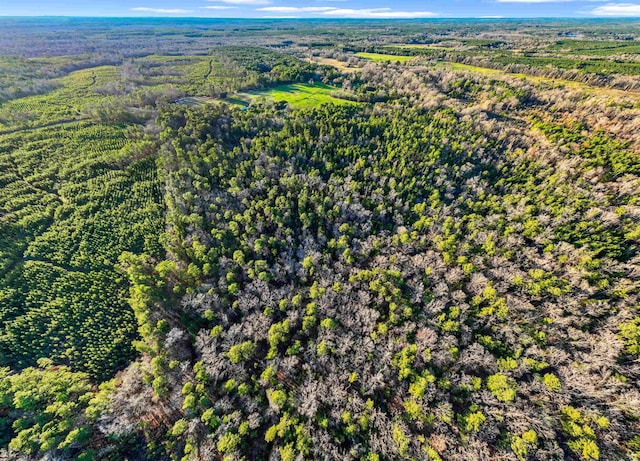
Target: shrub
<point>552,382</point>
<point>503,388</point>
<point>241,352</point>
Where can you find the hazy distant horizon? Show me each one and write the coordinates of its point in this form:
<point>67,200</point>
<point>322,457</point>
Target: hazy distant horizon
<point>327,9</point>
<point>257,19</point>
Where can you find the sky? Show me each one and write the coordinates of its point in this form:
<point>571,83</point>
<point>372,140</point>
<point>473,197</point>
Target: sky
<point>370,9</point>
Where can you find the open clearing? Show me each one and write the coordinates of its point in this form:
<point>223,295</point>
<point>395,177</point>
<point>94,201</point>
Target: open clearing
<point>299,95</point>
<point>193,101</point>
<point>379,57</point>
<point>342,66</point>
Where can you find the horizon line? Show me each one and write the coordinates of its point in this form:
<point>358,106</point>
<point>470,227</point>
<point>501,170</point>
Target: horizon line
<point>484,18</point>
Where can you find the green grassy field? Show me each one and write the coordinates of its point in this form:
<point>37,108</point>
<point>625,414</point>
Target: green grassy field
<point>299,95</point>
<point>379,57</point>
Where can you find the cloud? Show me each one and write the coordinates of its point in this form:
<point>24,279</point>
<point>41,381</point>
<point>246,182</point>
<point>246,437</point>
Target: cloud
<point>617,9</point>
<point>161,10</point>
<point>243,2</point>
<point>348,12</point>
<point>296,9</point>
<point>330,11</point>
<point>378,13</point>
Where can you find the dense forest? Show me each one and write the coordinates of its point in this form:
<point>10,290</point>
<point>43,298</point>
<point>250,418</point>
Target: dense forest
<point>287,240</point>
